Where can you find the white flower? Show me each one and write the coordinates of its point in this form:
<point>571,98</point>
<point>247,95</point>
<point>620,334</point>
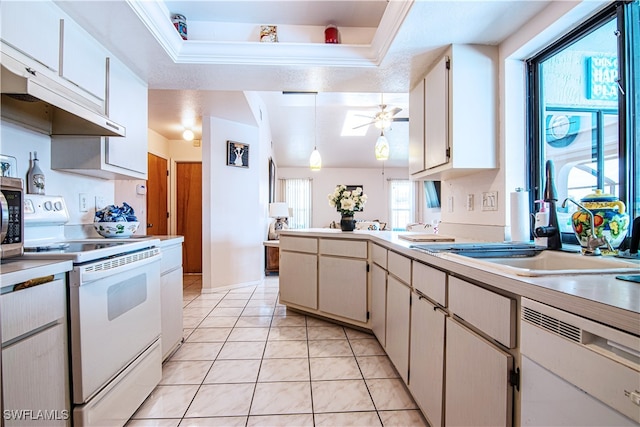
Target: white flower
<point>347,204</point>
<point>347,201</point>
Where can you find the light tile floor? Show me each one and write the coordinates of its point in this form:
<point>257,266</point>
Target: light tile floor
<point>248,361</point>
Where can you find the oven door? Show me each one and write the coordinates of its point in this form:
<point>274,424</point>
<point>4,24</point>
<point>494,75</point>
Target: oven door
<point>115,316</point>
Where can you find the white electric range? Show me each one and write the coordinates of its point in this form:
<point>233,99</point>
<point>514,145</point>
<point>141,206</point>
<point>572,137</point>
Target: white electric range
<point>113,293</point>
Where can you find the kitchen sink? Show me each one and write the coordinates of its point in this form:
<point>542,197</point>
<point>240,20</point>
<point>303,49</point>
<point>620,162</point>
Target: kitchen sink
<point>547,262</point>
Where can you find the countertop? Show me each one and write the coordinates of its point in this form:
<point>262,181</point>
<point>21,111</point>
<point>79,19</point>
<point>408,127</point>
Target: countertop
<point>169,240</point>
<point>18,270</point>
<point>600,297</point>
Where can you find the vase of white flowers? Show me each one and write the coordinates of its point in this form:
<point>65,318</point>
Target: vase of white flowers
<point>347,201</point>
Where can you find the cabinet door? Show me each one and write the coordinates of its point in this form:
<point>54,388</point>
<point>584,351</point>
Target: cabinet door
<point>299,279</point>
<point>34,377</point>
<point>436,115</point>
<point>477,393</point>
<point>398,309</point>
<point>427,358</point>
<point>128,105</point>
<point>33,28</point>
<point>171,311</point>
<point>84,60</point>
<point>343,287</point>
<point>416,128</point>
<point>379,303</point>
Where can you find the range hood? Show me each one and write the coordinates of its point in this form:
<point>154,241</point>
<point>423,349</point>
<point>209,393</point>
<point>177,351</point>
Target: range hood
<point>41,103</point>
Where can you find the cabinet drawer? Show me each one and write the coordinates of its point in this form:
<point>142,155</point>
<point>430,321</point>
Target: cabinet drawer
<point>399,266</point>
<point>379,255</point>
<point>492,313</point>
<point>347,248</point>
<point>171,258</point>
<point>431,282</point>
<point>299,244</point>
<point>28,309</point>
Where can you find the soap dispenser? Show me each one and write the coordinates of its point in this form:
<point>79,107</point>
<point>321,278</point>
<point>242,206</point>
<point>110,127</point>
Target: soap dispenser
<point>541,220</point>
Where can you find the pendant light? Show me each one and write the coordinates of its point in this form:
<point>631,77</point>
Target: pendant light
<point>382,147</point>
<point>315,161</point>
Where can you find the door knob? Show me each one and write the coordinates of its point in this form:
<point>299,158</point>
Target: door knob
<point>149,225</point>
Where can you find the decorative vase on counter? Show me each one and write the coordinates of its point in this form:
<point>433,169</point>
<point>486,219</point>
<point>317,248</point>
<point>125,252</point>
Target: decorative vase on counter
<point>347,200</point>
<point>347,223</point>
<point>609,219</point>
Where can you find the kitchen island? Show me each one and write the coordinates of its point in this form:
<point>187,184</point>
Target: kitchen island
<point>451,325</point>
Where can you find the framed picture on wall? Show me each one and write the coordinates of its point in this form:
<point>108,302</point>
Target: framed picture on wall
<point>237,154</point>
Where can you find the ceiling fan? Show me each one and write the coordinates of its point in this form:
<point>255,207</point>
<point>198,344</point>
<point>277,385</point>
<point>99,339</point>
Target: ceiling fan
<point>383,118</point>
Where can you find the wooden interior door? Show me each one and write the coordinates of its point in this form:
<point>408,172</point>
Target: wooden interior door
<point>157,205</point>
<point>189,214</point>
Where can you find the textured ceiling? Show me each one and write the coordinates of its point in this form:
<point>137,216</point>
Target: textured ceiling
<point>425,32</point>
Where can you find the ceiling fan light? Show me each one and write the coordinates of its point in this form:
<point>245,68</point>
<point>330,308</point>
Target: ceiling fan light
<point>188,135</point>
<point>382,148</point>
<point>315,161</point>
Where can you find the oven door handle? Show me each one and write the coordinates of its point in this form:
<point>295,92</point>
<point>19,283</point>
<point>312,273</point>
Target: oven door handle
<point>92,272</point>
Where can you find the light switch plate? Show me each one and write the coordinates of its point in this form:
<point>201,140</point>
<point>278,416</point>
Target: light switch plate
<point>490,201</point>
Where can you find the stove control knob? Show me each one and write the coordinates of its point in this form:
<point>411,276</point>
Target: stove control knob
<point>47,205</point>
<point>58,205</point>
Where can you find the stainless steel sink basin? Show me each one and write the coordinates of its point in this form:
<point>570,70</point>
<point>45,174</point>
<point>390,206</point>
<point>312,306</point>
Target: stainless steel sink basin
<point>555,263</point>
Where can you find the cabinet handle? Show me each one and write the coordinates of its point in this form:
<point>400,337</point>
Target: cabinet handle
<point>149,225</point>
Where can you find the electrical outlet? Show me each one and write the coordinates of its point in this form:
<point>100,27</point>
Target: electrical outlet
<point>490,201</point>
<point>83,202</point>
<point>469,202</point>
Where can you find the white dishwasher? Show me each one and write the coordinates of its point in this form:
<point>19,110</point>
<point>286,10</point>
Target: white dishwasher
<point>576,372</point>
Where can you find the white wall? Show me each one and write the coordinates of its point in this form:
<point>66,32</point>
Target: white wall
<point>18,141</point>
<point>233,223</point>
<point>374,183</point>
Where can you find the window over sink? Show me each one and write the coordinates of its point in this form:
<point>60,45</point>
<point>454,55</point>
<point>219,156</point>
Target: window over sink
<point>582,103</point>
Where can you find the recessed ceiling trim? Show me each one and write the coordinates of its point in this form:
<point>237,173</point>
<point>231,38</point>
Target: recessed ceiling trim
<point>155,17</point>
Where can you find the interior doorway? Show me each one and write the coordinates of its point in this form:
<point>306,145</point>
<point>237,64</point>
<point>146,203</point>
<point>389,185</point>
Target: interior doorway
<point>157,204</point>
<point>189,213</point>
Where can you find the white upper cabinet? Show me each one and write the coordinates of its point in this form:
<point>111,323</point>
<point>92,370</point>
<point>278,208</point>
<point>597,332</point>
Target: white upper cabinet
<point>416,129</point>
<point>84,60</point>
<point>458,120</point>
<point>436,115</point>
<point>34,29</point>
<point>128,104</point>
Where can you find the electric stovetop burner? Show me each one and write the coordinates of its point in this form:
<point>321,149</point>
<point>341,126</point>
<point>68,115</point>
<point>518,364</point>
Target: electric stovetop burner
<point>73,247</point>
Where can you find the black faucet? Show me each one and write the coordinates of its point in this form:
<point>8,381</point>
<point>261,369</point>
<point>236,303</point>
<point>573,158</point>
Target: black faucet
<point>635,236</point>
<point>551,231</point>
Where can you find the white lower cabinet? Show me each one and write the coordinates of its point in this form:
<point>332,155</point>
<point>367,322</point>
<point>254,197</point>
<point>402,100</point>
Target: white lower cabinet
<point>379,303</point>
<point>397,328</point>
<point>171,314</point>
<point>171,298</point>
<point>342,287</point>
<point>477,388</point>
<point>298,278</point>
<point>427,357</point>
<point>35,387</point>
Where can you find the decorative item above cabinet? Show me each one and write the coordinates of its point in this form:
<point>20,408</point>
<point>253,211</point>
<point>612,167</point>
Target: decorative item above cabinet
<point>453,111</point>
